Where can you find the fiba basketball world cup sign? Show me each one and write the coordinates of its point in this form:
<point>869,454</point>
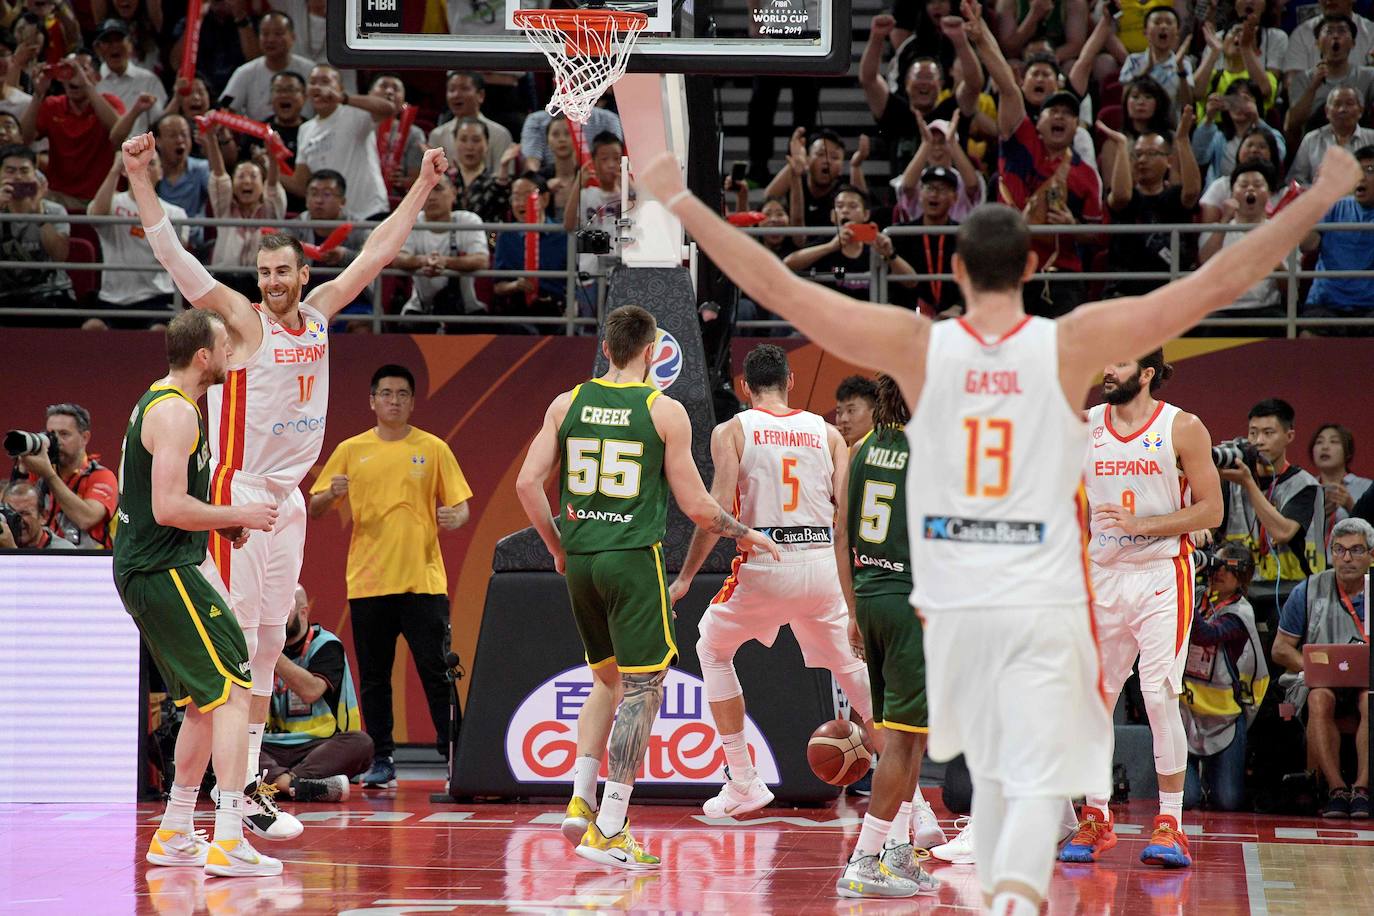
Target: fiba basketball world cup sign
<point>541,741</point>
<point>666,364</point>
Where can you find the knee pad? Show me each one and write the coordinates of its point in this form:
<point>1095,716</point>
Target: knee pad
<point>263,657</point>
<point>718,671</point>
<point>1166,729</point>
<point>250,638</point>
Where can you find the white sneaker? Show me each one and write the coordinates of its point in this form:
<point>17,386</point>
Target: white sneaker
<point>904,861</point>
<point>927,832</point>
<point>735,798</point>
<point>238,859</point>
<point>261,816</point>
<point>172,848</point>
<point>869,877</point>
<point>958,851</point>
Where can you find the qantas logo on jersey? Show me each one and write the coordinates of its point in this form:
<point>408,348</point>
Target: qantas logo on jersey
<point>863,559</point>
<point>982,530</point>
<point>597,515</point>
<point>308,354</point>
<point>1000,382</point>
<point>790,438</point>
<point>887,458</point>
<point>1144,467</point>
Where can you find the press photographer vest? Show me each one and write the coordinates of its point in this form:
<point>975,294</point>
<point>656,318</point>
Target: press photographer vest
<point>1216,693</point>
<point>1278,561</point>
<point>291,722</point>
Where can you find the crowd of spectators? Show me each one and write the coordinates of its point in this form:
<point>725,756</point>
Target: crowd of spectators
<point>1077,112</point>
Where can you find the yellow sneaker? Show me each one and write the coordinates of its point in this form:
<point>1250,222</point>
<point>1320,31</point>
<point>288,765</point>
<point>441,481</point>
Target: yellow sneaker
<point>577,818</point>
<point>619,851</point>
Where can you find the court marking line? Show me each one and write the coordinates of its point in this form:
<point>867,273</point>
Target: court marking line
<point>1254,879</point>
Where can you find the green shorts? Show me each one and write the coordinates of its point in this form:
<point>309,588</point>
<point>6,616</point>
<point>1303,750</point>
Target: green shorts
<point>620,602</point>
<point>896,660</point>
<point>191,633</point>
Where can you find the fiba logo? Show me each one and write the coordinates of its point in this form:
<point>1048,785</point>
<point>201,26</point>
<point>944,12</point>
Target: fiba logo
<point>1153,442</point>
<point>666,364</point>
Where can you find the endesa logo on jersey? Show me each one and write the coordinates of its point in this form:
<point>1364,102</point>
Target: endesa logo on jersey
<point>302,425</point>
<point>541,741</point>
<point>666,364</point>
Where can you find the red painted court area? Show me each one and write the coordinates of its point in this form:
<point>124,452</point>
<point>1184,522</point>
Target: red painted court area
<point>395,852</point>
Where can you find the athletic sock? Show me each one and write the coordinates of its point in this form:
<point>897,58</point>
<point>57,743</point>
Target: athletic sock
<point>181,809</point>
<point>1101,803</point>
<point>918,799</point>
<point>229,816</point>
<point>901,825</point>
<point>254,750</point>
<point>871,837</point>
<point>584,779</point>
<point>737,756</point>
<point>1009,904</point>
<point>1171,803</point>
<point>615,803</point>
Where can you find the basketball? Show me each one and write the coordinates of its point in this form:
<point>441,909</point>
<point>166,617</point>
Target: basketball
<point>838,752</point>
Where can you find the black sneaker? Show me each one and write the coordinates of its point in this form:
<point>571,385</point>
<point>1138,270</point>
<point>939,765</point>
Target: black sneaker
<point>329,789</point>
<point>1338,804</point>
<point>1359,803</point>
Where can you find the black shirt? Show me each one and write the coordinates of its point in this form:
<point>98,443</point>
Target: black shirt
<point>1138,253</point>
<point>837,265</point>
<point>1298,509</point>
<point>897,125</point>
<point>328,663</point>
<point>927,254</point>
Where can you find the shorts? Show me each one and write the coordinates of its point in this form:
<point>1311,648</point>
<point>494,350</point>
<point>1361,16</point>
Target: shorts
<point>620,602</point>
<point>1144,611</point>
<point>1017,691</point>
<point>802,590</point>
<point>261,576</point>
<point>896,660</point>
<point>190,632</point>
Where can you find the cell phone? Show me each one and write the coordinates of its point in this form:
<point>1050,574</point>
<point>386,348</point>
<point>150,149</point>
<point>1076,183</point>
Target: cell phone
<point>864,232</point>
<point>63,70</point>
<point>738,171</point>
<point>22,190</point>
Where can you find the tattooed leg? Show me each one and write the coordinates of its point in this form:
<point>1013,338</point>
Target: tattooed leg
<point>634,722</point>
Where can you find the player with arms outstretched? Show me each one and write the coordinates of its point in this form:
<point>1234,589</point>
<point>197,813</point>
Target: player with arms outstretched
<point>619,446</point>
<point>267,422</point>
<point>1012,672</point>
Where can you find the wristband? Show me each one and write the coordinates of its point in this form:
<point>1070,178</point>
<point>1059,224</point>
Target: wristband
<point>676,197</point>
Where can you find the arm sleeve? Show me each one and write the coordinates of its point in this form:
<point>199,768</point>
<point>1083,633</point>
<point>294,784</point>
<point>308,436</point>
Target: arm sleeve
<point>1293,617</point>
<point>189,274</point>
<point>453,487</point>
<point>337,463</point>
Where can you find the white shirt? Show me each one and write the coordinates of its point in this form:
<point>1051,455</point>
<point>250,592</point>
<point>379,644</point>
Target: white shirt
<point>1303,54</point>
<point>128,245</point>
<point>1314,146</point>
<point>250,86</point>
<point>346,141</point>
<point>451,243</point>
<point>128,86</point>
<point>1263,294</point>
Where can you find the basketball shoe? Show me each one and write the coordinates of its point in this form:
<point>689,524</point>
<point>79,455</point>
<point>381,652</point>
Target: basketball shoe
<point>1168,846</point>
<point>575,821</point>
<point>619,851</point>
<point>904,861</point>
<point>261,816</point>
<point>1094,836</point>
<point>329,789</point>
<point>238,859</point>
<point>958,851</point>
<point>171,848</point>
<point>926,831</point>
<point>867,876</point>
<point>738,798</point>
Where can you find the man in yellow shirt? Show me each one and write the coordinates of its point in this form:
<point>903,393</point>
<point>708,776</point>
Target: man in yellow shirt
<point>402,486</point>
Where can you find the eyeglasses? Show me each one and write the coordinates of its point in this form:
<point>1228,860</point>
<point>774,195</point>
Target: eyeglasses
<point>1353,553</point>
<point>387,394</point>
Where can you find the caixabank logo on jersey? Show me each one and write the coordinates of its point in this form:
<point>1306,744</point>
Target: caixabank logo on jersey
<point>666,364</point>
<point>541,741</point>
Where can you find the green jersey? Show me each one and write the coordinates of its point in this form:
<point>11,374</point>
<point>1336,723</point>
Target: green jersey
<point>140,543</point>
<point>877,513</point>
<point>612,492</point>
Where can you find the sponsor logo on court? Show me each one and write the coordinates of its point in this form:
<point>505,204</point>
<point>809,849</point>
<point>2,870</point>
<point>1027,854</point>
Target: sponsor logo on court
<point>982,530</point>
<point>303,425</point>
<point>666,364</point>
<point>541,740</point>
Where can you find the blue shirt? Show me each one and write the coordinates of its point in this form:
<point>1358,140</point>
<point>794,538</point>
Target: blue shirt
<point>1293,617</point>
<point>553,255</point>
<point>1345,251</point>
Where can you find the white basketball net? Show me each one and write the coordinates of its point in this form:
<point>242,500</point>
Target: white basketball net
<point>587,55</point>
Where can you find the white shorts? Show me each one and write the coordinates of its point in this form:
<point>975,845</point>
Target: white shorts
<point>801,590</point>
<point>1016,690</point>
<point>260,577</point>
<point>1144,611</point>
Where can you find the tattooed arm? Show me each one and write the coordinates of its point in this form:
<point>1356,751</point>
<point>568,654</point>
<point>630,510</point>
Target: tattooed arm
<point>634,722</point>
<point>726,444</point>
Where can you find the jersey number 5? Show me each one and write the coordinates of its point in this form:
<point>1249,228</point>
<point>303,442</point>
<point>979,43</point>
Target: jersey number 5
<point>989,440</point>
<point>875,513</point>
<point>605,466</point>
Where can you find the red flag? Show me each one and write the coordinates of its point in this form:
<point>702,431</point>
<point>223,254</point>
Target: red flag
<point>276,146</point>
<point>190,47</point>
<point>316,252</point>
<point>532,244</point>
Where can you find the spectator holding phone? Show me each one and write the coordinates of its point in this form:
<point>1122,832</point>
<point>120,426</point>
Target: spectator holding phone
<point>1226,120</point>
<point>35,242</point>
<point>846,253</point>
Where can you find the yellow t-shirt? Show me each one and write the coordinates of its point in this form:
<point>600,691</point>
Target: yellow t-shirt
<point>394,490</point>
<point>1130,27</point>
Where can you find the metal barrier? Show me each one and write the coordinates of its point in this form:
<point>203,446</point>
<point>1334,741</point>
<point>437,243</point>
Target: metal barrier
<point>576,284</point>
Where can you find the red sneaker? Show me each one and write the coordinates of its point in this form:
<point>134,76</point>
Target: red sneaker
<point>1094,836</point>
<point>1168,846</point>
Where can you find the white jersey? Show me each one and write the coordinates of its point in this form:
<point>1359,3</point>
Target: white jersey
<point>1139,472</point>
<point>998,505</point>
<point>786,478</point>
<point>266,422</point>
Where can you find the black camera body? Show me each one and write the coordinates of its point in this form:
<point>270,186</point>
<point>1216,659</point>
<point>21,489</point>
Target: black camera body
<point>593,241</point>
<point>1206,562</point>
<point>20,444</point>
<point>1233,453</point>
<point>13,522</point>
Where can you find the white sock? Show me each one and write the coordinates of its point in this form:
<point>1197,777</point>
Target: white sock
<point>254,749</point>
<point>737,756</point>
<point>615,803</point>
<point>181,809</point>
<point>871,837</point>
<point>901,825</point>
<point>1171,803</point>
<point>585,770</point>
<point>1009,904</point>
<point>1101,803</point>
<point>229,816</point>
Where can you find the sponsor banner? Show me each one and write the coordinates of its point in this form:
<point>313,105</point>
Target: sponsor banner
<point>541,740</point>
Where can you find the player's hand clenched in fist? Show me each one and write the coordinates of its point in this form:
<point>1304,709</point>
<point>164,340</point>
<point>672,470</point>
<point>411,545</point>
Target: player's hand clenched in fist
<point>138,152</point>
<point>433,167</point>
<point>258,516</point>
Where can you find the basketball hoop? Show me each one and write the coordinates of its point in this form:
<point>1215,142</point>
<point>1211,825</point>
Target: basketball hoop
<point>588,50</point>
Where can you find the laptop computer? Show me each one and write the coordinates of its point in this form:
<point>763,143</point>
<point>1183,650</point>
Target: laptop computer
<point>1343,665</point>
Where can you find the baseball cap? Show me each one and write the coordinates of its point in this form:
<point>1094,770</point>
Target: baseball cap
<point>1065,98</point>
<point>112,27</point>
<point>941,125</point>
<point>940,173</point>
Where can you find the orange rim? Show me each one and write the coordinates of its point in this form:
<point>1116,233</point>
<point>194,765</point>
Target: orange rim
<point>575,24</point>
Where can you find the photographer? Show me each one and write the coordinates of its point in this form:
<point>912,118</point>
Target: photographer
<point>1275,509</point>
<point>22,191</point>
<point>20,522</point>
<point>80,494</point>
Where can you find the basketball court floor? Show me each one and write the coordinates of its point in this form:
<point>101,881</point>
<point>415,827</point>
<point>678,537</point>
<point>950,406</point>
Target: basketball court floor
<point>396,852</point>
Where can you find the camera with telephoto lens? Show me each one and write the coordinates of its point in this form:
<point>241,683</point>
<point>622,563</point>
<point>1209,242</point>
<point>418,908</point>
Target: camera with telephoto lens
<point>1238,561</point>
<point>1234,452</point>
<point>20,444</point>
<point>13,522</point>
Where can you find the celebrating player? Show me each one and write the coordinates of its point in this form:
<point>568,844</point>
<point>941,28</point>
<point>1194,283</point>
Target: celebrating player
<point>267,422</point>
<point>1000,577</point>
<point>786,470</point>
<point>620,446</point>
<point>164,579</point>
<point>1150,481</point>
